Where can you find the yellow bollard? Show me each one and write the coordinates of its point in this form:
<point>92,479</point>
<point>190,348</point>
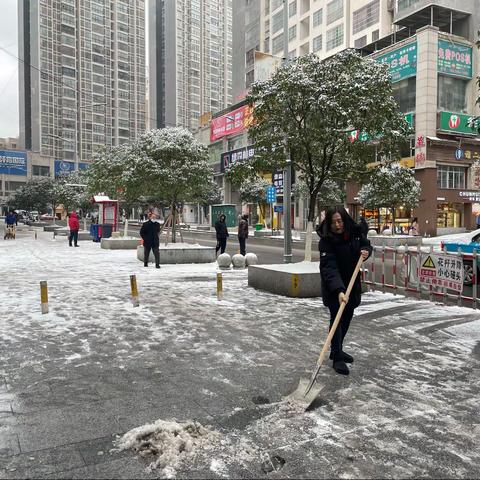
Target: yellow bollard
<point>133,286</point>
<point>219,286</point>
<point>295,285</point>
<point>44,296</point>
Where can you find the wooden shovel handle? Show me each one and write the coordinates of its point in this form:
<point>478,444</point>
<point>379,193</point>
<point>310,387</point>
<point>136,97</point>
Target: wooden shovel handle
<point>332,331</point>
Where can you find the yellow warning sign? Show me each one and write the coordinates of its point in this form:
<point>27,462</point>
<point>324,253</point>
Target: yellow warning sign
<point>428,263</point>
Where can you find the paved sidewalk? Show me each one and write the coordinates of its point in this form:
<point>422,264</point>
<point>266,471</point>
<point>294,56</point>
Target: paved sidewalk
<point>95,367</point>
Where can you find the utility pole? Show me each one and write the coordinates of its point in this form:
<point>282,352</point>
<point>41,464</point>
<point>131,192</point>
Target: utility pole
<point>287,176</point>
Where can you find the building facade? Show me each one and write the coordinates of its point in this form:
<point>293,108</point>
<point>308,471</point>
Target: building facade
<point>82,77</point>
<point>190,60</point>
<point>434,63</point>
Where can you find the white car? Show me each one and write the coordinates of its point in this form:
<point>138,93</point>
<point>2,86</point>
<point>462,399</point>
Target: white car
<point>463,238</point>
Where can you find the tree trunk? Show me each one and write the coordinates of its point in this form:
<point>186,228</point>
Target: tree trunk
<point>308,235</point>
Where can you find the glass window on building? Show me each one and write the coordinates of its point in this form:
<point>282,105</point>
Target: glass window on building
<point>292,8</point>
<point>366,16</point>
<point>292,33</point>
<point>334,11</point>
<point>40,170</point>
<point>277,44</point>
<point>317,18</point>
<point>276,4</point>
<point>450,215</point>
<point>277,22</point>
<point>404,93</point>
<point>317,43</point>
<point>452,94</point>
<point>361,42</point>
<point>334,37</point>
<point>449,177</point>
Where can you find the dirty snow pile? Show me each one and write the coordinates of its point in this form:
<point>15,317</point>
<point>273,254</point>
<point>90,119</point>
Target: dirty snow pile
<point>168,442</point>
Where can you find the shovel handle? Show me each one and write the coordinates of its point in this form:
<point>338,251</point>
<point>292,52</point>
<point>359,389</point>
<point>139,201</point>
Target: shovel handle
<point>332,331</point>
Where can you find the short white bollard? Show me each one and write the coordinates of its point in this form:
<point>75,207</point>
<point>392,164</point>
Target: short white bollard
<point>251,259</point>
<point>224,260</point>
<point>238,261</point>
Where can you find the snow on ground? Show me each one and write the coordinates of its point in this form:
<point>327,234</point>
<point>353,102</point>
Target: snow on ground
<point>407,408</point>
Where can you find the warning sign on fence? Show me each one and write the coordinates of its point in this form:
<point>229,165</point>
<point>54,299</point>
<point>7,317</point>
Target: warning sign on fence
<point>442,271</point>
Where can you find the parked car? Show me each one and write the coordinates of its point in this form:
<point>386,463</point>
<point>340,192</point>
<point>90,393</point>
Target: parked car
<point>467,250</point>
<point>463,238</point>
<point>46,216</point>
<point>33,216</point>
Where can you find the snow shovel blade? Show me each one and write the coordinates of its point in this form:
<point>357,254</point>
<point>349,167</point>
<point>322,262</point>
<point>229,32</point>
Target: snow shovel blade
<point>305,394</point>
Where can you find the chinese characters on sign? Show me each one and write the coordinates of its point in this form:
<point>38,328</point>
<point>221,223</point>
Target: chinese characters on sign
<point>233,122</point>
<point>13,162</point>
<point>420,152</point>
<point>444,271</point>
<point>271,194</point>
<point>457,122</point>
<point>278,182</point>
<point>402,62</point>
<point>228,159</point>
<point>454,59</point>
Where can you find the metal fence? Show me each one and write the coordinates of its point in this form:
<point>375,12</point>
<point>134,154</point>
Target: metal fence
<point>397,270</point>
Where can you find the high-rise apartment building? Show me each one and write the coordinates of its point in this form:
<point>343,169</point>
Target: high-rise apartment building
<point>190,60</point>
<point>324,27</point>
<point>82,76</point>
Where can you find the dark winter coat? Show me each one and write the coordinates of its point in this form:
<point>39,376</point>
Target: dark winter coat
<point>11,219</point>
<point>339,254</point>
<point>243,229</point>
<point>363,226</point>
<point>221,229</point>
<point>150,234</point>
<point>73,222</point>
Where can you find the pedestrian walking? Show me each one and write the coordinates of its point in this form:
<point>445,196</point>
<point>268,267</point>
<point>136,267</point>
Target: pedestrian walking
<point>150,233</point>
<point>10,222</point>
<point>413,228</point>
<point>243,234</point>
<point>222,234</point>
<point>74,226</point>
<point>363,226</point>
<point>341,244</point>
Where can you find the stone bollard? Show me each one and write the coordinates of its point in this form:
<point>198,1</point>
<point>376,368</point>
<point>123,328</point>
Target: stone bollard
<point>251,259</point>
<point>238,261</point>
<point>372,233</point>
<point>224,260</point>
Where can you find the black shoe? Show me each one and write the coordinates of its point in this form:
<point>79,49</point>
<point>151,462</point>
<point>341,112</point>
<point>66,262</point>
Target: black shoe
<point>345,357</point>
<point>145,264</point>
<point>157,266</point>
<point>76,245</point>
<point>70,245</point>
<point>341,367</point>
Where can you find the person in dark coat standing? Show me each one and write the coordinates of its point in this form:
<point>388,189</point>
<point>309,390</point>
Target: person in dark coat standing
<point>243,234</point>
<point>150,233</point>
<point>341,244</point>
<point>74,226</point>
<point>222,234</point>
<point>363,226</point>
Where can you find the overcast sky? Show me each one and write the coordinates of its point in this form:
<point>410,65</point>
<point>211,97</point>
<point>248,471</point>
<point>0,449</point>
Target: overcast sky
<point>8,69</point>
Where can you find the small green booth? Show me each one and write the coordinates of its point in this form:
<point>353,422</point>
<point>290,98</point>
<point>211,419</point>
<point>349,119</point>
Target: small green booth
<point>230,212</point>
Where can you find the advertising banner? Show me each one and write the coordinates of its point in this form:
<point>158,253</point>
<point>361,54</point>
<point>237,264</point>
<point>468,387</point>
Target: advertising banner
<point>227,159</point>
<point>63,168</point>
<point>456,122</point>
<point>454,59</point>
<point>13,162</point>
<point>402,62</point>
<point>233,122</point>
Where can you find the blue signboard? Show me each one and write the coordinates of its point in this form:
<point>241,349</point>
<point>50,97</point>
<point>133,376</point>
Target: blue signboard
<point>459,153</point>
<point>83,166</point>
<point>278,208</point>
<point>63,168</point>
<point>271,194</point>
<point>13,162</point>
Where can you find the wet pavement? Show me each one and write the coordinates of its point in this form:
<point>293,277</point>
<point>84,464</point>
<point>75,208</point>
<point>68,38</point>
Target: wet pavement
<point>95,367</point>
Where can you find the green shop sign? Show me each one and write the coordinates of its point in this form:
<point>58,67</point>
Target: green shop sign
<point>454,59</point>
<point>355,135</point>
<point>455,122</point>
<point>402,62</point>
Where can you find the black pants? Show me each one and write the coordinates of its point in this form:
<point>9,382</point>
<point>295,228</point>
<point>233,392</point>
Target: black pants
<point>73,236</point>
<point>221,245</point>
<point>243,248</point>
<point>146,255</point>
<point>342,328</point>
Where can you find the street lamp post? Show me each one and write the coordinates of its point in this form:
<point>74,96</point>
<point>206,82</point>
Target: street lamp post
<point>287,177</point>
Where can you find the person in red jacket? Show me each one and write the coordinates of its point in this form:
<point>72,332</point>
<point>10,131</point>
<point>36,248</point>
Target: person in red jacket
<point>74,225</point>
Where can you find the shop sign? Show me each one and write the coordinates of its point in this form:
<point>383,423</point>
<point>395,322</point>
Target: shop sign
<point>227,159</point>
<point>278,181</point>
<point>271,194</point>
<point>457,122</point>
<point>83,166</point>
<point>472,195</point>
<point>63,168</point>
<point>13,162</point>
<point>454,59</point>
<point>420,152</point>
<point>459,153</point>
<point>402,62</point>
<point>355,135</point>
<point>444,271</point>
<point>278,208</point>
<point>409,118</point>
<point>233,122</point>
<point>475,176</point>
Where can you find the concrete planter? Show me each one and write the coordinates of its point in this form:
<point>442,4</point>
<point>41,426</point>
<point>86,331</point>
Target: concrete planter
<point>394,240</point>
<point>300,280</point>
<point>51,228</point>
<point>180,253</point>
<point>119,243</point>
<point>65,232</point>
